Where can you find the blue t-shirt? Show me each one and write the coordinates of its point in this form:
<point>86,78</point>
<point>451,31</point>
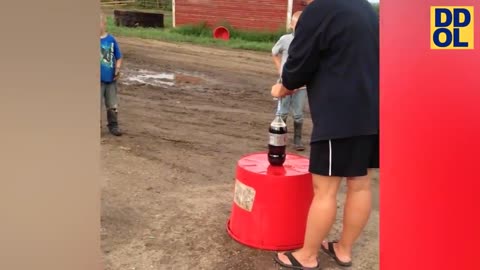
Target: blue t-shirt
<point>109,54</point>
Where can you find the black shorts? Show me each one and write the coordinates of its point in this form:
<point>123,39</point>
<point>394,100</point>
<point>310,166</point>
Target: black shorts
<point>348,157</point>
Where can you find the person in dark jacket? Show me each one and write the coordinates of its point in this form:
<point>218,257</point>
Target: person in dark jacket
<point>335,52</point>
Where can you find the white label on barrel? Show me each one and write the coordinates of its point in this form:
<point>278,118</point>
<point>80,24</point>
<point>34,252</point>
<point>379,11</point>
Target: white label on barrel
<point>244,196</point>
<point>278,139</point>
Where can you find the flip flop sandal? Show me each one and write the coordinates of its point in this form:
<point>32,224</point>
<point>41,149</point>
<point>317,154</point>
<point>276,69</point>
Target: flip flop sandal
<point>331,252</point>
<point>295,264</point>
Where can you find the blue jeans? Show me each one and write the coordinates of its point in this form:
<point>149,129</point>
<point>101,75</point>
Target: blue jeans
<point>295,102</point>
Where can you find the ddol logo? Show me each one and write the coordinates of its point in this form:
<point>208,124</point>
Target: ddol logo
<point>451,27</point>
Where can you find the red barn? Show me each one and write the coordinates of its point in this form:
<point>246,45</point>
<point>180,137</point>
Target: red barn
<point>271,15</point>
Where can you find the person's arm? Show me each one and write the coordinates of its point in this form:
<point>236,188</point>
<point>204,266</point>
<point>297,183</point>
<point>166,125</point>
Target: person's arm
<point>278,90</point>
<point>277,51</point>
<point>118,58</point>
<point>278,63</point>
<point>118,64</point>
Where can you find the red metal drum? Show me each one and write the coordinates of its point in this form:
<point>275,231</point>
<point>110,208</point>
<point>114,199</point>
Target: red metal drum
<point>271,204</point>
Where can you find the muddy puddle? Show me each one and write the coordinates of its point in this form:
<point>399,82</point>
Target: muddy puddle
<point>159,79</point>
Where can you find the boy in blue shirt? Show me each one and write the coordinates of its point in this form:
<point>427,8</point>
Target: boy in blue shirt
<point>110,63</point>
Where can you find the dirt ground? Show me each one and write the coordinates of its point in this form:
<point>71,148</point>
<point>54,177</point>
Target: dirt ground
<point>168,182</point>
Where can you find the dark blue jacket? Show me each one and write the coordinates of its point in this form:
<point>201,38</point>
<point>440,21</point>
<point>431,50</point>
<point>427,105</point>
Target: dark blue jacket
<point>335,53</point>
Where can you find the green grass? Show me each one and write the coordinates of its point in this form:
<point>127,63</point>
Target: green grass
<point>199,34</point>
<point>202,30</point>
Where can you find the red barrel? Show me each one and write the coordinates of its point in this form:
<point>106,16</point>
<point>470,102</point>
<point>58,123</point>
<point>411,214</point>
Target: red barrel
<point>271,204</point>
<point>221,33</point>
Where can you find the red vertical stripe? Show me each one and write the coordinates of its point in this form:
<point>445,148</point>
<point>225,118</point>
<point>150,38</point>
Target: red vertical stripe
<point>430,143</point>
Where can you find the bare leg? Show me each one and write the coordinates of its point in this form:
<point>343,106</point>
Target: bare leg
<point>320,219</point>
<point>356,214</point>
